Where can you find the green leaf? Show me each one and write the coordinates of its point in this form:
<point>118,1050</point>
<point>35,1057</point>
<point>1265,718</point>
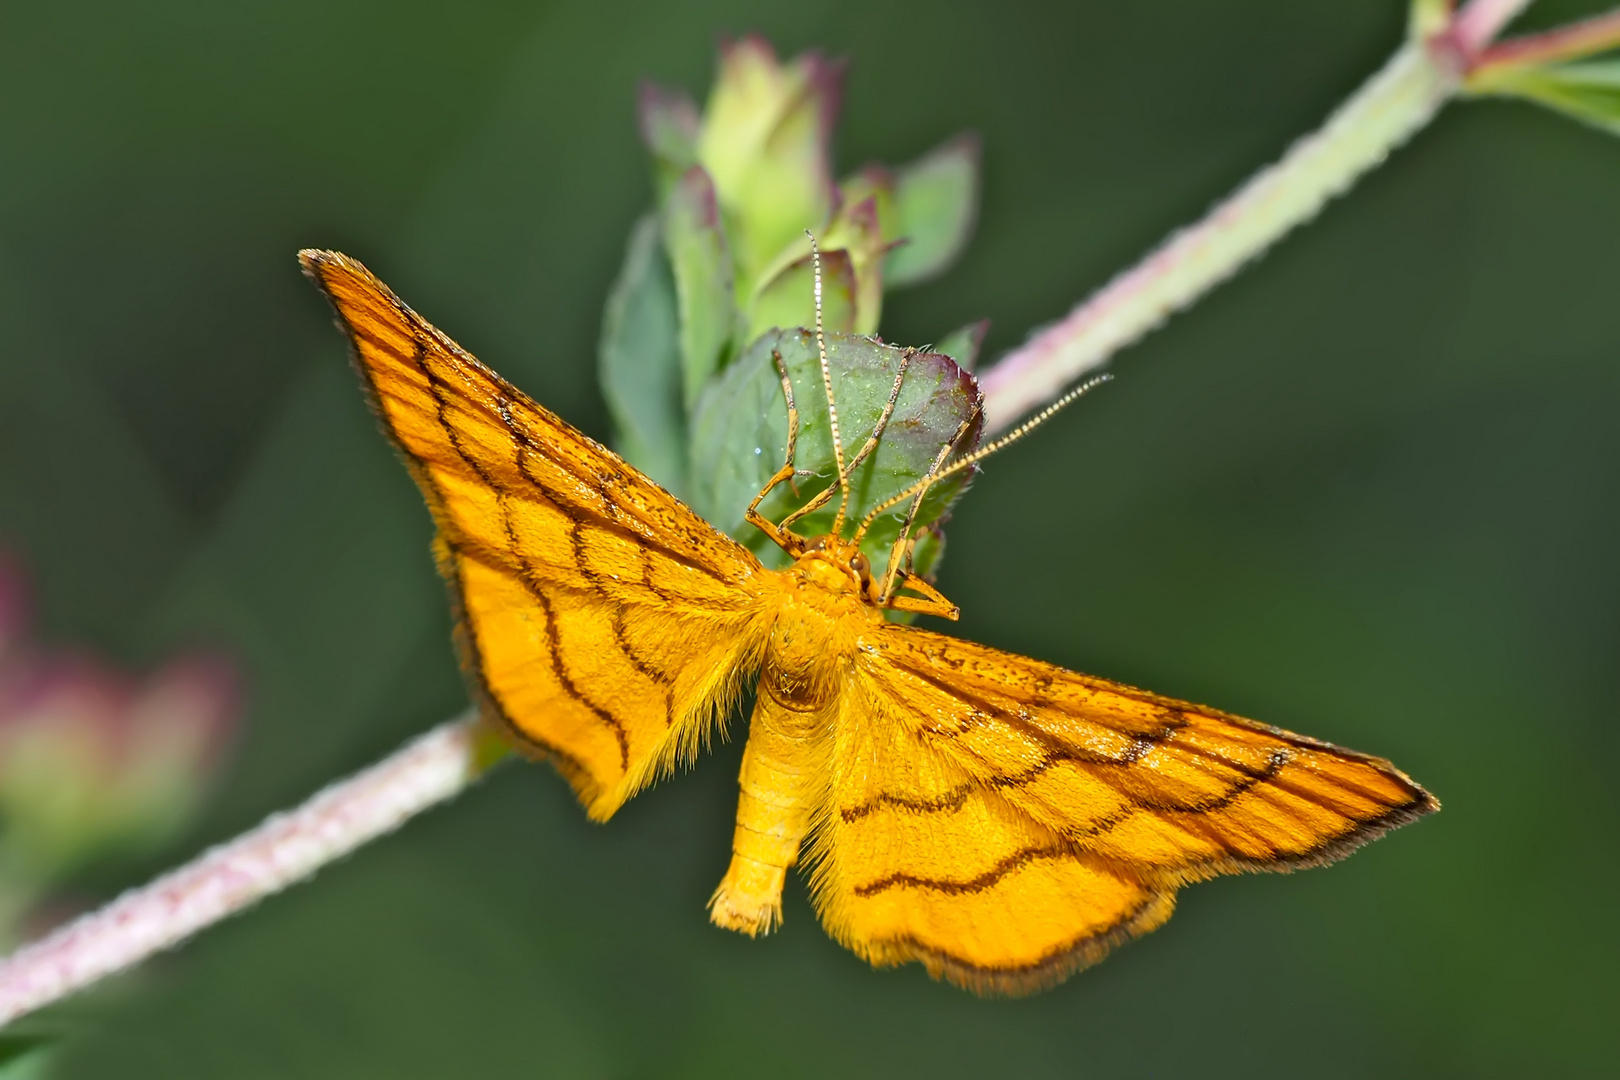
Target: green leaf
<point>1588,92</point>
<point>936,200</point>
<point>739,436</point>
<point>25,1057</point>
<point>640,361</point>
<point>962,344</point>
<point>695,241</point>
<point>669,128</point>
<point>789,298</point>
<point>930,550</point>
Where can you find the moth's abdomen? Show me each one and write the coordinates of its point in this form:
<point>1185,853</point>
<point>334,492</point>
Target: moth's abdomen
<point>784,770</point>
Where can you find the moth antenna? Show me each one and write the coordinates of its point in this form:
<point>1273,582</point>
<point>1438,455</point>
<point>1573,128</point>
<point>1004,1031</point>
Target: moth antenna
<point>985,451</point>
<point>826,371</point>
<point>924,483</point>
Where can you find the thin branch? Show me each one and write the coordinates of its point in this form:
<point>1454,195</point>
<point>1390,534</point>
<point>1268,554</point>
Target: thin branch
<point>284,850</point>
<point>1478,24</point>
<point>1386,111</point>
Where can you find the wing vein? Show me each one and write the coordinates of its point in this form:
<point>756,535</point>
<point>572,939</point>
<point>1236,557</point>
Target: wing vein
<point>437,387</point>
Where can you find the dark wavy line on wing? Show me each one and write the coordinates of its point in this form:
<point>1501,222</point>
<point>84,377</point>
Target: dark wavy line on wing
<point>437,389</point>
<point>958,796</point>
<point>978,883</point>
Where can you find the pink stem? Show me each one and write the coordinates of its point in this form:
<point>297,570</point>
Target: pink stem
<point>1379,117</point>
<point>1391,106</point>
<point>1570,42</point>
<point>285,849</point>
<point>1477,25</point>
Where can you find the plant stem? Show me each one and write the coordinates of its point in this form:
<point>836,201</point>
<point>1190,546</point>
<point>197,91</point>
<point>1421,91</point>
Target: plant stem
<point>282,851</point>
<point>1571,42</point>
<point>1477,25</point>
<point>1387,110</point>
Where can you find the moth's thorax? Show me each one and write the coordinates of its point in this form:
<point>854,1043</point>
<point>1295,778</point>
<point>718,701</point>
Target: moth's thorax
<point>815,628</point>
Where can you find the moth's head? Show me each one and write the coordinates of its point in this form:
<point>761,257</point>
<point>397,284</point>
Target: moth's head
<point>837,564</point>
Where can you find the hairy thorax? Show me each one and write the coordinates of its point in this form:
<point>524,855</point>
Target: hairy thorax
<point>813,636</point>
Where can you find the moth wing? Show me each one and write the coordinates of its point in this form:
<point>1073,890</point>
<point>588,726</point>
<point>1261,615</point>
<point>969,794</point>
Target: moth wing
<point>1006,821</point>
<point>602,621</point>
<point>914,858</point>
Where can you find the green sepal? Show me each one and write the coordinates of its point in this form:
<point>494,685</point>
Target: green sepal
<point>695,241</point>
<point>936,201</point>
<point>764,138</point>
<point>739,437</point>
<point>857,230</point>
<point>873,182</point>
<point>669,129</point>
<point>1588,92</point>
<point>786,287</point>
<point>789,299</point>
<point>963,343</point>
<point>639,361</point>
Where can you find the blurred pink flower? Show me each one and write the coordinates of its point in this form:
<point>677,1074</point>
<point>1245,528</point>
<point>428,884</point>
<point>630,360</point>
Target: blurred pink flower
<point>95,761</point>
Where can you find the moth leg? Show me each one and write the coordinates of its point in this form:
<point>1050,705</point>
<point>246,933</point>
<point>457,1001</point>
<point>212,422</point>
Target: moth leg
<point>779,535</point>
<point>823,497</point>
<point>932,601</point>
<point>882,424</point>
<point>872,439</point>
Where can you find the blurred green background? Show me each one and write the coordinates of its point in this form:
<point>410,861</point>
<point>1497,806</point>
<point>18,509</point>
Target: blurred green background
<point>1368,491</point>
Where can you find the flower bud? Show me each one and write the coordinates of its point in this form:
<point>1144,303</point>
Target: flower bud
<point>764,140</point>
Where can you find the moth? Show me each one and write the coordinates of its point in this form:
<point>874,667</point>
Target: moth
<point>999,819</point>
